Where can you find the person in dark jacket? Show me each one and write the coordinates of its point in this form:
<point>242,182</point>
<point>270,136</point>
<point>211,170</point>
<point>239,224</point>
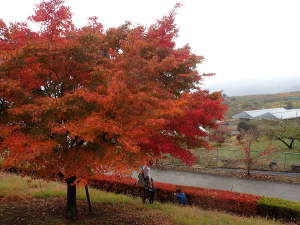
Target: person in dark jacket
<point>180,197</point>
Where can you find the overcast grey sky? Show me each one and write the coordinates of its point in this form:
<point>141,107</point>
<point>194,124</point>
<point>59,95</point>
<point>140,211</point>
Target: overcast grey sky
<point>240,39</point>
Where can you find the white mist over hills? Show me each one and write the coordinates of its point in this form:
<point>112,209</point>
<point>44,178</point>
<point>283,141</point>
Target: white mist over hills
<point>254,86</point>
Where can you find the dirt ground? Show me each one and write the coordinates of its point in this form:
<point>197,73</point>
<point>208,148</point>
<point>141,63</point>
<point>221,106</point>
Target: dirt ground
<point>51,211</point>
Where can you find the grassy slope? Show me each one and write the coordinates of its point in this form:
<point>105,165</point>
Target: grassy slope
<point>36,202</point>
<point>232,152</point>
<point>231,149</point>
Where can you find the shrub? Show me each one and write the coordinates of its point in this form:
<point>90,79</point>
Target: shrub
<point>279,208</point>
<point>244,204</point>
<point>245,126</point>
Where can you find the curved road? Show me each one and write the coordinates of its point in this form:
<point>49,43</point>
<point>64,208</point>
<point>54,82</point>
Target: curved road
<point>265,188</point>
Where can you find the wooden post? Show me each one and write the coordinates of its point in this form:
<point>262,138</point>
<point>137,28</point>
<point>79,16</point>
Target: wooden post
<point>284,160</point>
<point>88,198</point>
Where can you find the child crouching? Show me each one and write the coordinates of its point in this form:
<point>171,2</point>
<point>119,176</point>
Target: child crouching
<point>180,197</point>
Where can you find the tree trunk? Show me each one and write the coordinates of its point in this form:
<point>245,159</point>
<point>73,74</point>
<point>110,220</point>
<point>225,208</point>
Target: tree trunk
<point>292,143</point>
<point>289,145</point>
<point>88,198</point>
<point>71,198</point>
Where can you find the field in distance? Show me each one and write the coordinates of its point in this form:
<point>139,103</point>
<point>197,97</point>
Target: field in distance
<point>237,104</point>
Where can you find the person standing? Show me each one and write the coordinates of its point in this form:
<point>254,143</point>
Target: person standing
<point>148,189</point>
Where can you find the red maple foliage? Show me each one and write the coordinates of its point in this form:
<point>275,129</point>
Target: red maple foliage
<point>80,101</point>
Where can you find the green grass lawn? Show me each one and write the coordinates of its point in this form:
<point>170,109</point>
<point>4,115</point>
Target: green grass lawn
<point>23,201</point>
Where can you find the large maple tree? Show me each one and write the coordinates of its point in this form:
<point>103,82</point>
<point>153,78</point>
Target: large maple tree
<point>81,101</point>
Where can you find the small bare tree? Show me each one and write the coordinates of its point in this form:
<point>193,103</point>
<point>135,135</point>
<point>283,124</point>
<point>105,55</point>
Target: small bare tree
<point>285,131</point>
<point>250,137</point>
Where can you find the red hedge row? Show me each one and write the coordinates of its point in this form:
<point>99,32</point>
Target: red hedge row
<point>244,204</point>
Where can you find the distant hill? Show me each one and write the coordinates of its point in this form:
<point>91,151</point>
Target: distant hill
<point>238,104</point>
<point>254,86</point>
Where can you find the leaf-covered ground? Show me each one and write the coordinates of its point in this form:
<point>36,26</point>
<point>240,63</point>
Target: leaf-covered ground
<point>15,210</point>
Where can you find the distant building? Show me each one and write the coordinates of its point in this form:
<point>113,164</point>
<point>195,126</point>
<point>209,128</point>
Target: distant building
<point>252,114</point>
<point>288,114</point>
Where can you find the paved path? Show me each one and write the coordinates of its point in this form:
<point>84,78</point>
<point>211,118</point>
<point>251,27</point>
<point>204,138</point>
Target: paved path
<point>265,188</point>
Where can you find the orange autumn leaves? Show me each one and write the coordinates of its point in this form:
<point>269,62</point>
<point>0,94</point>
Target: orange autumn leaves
<point>87,100</point>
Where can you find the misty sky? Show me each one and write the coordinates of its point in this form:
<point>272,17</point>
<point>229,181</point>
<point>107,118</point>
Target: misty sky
<point>240,39</point>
